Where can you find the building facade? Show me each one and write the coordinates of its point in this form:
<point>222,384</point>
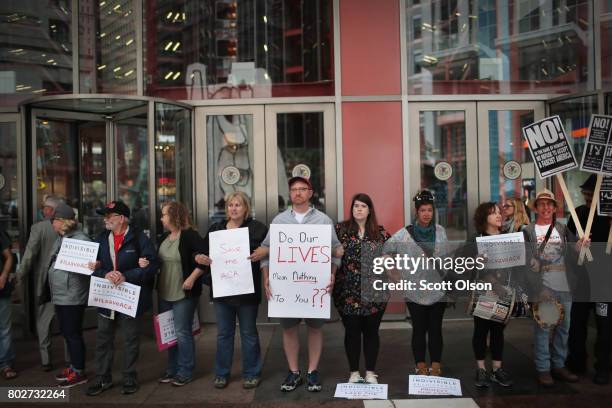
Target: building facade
<point>151,100</point>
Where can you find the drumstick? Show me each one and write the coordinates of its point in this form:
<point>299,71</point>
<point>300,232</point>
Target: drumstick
<point>570,206</point>
<point>587,232</point>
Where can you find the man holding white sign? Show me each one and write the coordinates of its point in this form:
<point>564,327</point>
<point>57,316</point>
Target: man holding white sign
<point>120,248</point>
<point>301,212</point>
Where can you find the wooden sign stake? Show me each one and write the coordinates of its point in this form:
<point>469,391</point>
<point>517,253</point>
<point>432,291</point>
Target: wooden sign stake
<point>587,232</point>
<point>570,206</point>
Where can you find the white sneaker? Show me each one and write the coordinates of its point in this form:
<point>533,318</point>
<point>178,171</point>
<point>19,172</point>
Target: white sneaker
<point>371,377</point>
<point>355,378</point>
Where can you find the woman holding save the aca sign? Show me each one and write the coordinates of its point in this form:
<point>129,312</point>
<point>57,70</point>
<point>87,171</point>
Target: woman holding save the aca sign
<point>238,215</point>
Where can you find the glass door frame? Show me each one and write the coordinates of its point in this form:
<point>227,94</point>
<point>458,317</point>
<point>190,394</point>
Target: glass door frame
<point>329,159</point>
<point>200,149</point>
<point>414,152</point>
<point>484,162</point>
<point>69,116</point>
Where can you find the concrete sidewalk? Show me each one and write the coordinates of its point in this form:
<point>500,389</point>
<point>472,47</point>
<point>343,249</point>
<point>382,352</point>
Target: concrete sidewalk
<point>394,365</point>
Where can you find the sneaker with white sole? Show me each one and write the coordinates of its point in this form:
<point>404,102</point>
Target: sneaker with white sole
<point>355,377</point>
<point>371,377</point>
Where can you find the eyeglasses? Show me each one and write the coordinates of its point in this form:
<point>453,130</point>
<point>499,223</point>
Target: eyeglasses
<point>299,190</point>
<point>507,206</point>
<point>108,216</point>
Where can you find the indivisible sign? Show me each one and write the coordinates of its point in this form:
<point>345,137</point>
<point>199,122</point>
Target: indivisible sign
<point>74,256</point>
<point>549,147</point>
<point>427,385</point>
<point>121,298</point>
<point>300,270</point>
<point>597,156</point>
<point>502,250</point>
<point>231,270</point>
<point>361,391</point>
<point>604,205</point>
<point>165,333</point>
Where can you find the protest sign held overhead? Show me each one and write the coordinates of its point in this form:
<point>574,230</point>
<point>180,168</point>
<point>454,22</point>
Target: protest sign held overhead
<point>597,156</point>
<point>300,270</point>
<point>549,147</point>
<point>604,206</point>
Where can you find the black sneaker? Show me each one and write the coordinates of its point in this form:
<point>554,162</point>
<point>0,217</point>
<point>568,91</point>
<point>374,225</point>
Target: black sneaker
<point>501,377</point>
<point>482,379</point>
<point>313,383</point>
<point>179,381</point>
<point>73,379</point>
<point>130,386</point>
<point>292,381</point>
<point>165,379</point>
<point>98,387</point>
<point>601,378</point>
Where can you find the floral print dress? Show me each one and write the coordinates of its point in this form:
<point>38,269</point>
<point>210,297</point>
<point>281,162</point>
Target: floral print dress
<point>353,289</point>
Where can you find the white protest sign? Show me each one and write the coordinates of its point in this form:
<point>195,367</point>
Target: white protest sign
<point>549,147</point>
<point>121,298</point>
<point>597,155</point>
<point>165,332</point>
<point>426,385</point>
<point>300,270</point>
<point>74,255</point>
<point>361,391</point>
<point>230,268</point>
<point>503,250</point>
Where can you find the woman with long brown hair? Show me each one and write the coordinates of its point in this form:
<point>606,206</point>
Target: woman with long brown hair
<point>515,215</point>
<point>362,238</point>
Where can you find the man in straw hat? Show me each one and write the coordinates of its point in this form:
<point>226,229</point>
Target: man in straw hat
<point>553,276</point>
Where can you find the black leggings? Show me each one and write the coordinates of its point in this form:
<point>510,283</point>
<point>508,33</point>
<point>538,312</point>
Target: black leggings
<point>427,330</point>
<point>355,327</point>
<point>482,328</point>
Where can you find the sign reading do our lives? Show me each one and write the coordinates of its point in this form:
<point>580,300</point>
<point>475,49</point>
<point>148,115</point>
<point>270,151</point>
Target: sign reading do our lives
<point>300,270</point>
<point>549,147</point>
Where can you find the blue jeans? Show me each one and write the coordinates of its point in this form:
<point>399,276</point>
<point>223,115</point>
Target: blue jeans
<point>249,339</point>
<point>542,352</point>
<point>7,355</point>
<point>181,357</point>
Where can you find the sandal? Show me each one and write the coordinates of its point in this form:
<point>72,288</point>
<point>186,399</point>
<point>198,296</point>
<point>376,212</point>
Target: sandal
<point>8,373</point>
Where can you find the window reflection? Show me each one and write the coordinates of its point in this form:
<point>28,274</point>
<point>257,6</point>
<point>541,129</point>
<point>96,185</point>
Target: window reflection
<point>203,49</point>
<point>133,169</point>
<point>107,46</point>
<point>487,46</point>
<point>300,153</point>
<point>172,156</point>
<point>36,50</point>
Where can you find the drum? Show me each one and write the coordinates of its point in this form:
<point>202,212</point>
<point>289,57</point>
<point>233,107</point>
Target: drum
<point>548,314</point>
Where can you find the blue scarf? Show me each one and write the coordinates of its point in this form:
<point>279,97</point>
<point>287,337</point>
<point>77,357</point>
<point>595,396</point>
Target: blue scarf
<point>425,236</point>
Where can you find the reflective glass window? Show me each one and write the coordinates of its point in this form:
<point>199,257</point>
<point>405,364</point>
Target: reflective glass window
<point>606,43</point>
<point>9,208</point>
<point>36,49</point>
<point>132,175</point>
<point>490,46</point>
<point>107,47</point>
<point>205,49</point>
<point>172,156</point>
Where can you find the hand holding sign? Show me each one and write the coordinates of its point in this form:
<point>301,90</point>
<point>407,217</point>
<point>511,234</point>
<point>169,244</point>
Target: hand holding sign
<point>299,279</point>
<point>553,155</point>
<point>231,269</point>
